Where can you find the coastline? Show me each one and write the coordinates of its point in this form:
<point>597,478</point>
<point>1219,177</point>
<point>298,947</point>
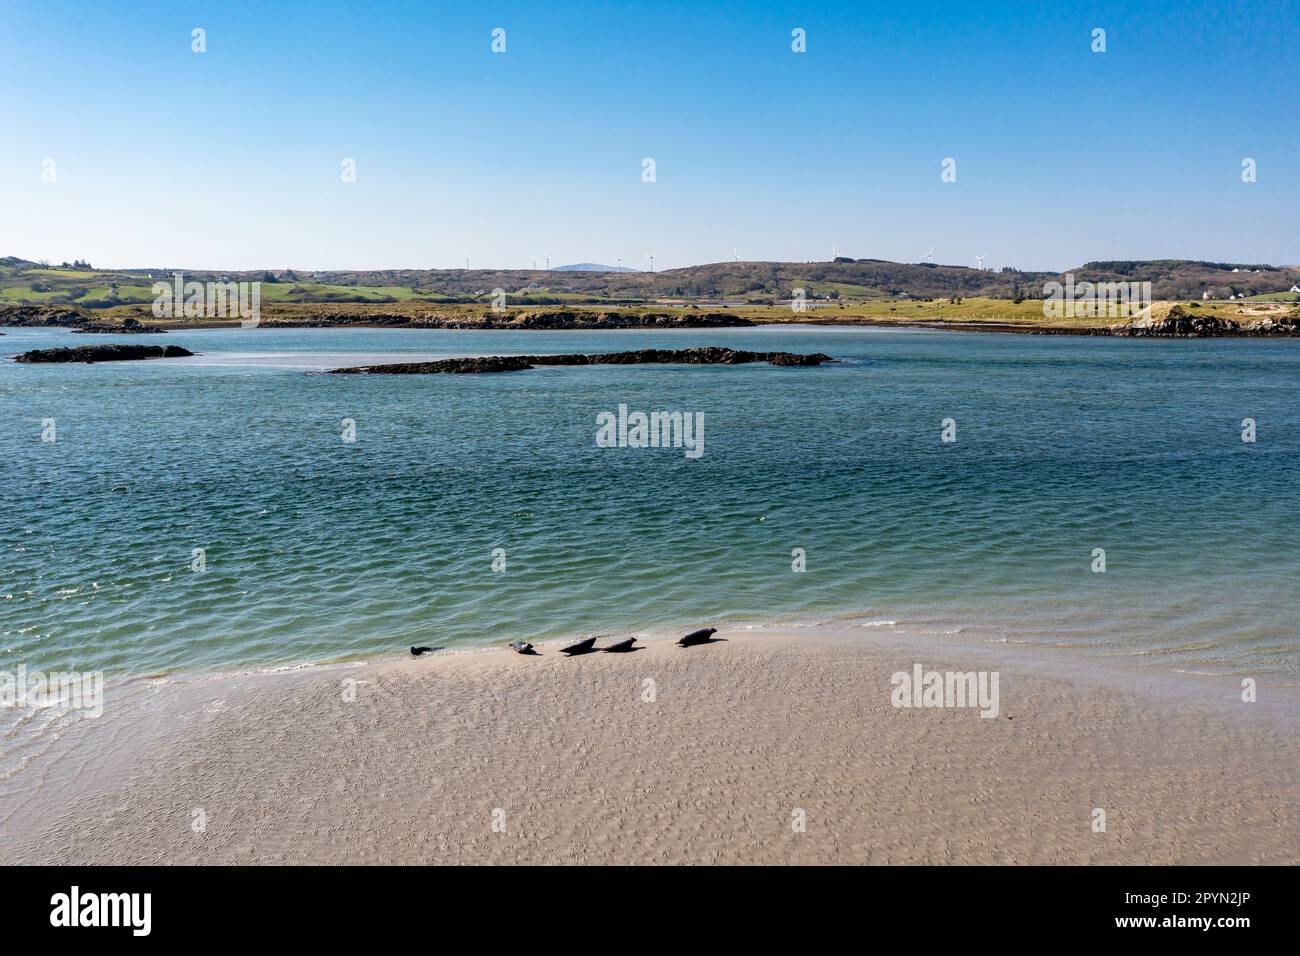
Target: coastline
<point>739,735</point>
<point>1167,319</point>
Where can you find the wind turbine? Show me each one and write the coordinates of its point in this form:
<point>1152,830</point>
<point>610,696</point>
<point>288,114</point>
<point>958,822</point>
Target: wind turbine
<point>928,257</point>
<point>467,263</point>
<point>980,260</point>
<point>548,263</point>
<point>620,263</point>
<point>834,255</point>
<point>651,257</point>
<point>735,255</point>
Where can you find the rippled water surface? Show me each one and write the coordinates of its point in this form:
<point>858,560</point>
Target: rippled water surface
<point>321,549</point>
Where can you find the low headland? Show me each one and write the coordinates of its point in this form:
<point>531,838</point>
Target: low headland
<point>1166,319</point>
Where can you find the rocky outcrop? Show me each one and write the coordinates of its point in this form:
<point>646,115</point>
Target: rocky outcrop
<point>41,315</point>
<point>711,355</point>
<point>1178,323</point>
<point>1274,325</point>
<point>126,327</point>
<point>1183,324</point>
<point>104,353</point>
<point>458,366</point>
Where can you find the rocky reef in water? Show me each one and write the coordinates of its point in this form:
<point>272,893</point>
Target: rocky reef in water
<point>104,353</point>
<point>126,327</point>
<point>711,355</point>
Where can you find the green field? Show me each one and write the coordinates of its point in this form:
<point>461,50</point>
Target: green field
<point>108,289</point>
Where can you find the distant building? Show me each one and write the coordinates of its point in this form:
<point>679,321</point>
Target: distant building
<point>1295,288</point>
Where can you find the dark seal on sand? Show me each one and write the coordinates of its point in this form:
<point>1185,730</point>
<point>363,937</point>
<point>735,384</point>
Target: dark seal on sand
<point>703,636</point>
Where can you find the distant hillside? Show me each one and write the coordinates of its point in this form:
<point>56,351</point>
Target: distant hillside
<point>592,267</point>
<point>846,280</point>
<point>1185,279</point>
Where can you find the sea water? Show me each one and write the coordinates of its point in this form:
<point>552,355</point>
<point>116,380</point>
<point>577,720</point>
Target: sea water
<point>476,509</point>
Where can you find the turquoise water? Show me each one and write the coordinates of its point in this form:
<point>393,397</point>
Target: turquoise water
<point>321,549</point>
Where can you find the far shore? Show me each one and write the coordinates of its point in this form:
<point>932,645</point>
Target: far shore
<point>766,746</point>
<point>1167,319</point>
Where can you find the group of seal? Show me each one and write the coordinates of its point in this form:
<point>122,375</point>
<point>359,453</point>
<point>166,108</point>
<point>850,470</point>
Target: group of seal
<point>589,644</point>
<point>703,636</point>
<point>586,646</point>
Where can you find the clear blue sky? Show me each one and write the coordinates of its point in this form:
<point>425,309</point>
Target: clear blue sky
<point>230,159</point>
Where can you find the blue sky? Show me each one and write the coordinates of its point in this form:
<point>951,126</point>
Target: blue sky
<point>231,159</point>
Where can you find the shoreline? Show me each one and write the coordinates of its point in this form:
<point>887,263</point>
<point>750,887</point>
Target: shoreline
<point>936,325</point>
<point>1172,320</point>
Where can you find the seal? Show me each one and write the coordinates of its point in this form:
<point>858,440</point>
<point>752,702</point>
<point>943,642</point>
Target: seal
<point>703,636</point>
<point>582,647</point>
<point>522,647</point>
<point>621,646</point>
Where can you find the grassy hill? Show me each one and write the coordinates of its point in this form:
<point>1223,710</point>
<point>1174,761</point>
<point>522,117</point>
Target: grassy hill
<point>849,281</point>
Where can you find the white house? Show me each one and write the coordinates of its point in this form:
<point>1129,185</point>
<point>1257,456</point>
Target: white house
<point>1295,288</point>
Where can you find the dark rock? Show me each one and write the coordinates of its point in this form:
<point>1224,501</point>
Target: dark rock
<point>104,353</point>
<point>127,326</point>
<point>41,315</point>
<point>1275,325</point>
<point>1179,323</point>
<point>710,355</point>
<point>790,358</point>
<point>458,366</point>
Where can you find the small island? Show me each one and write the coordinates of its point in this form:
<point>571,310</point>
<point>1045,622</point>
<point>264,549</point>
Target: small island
<point>710,355</point>
<point>103,353</point>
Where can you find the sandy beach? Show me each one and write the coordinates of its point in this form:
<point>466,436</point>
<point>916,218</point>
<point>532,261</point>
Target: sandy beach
<point>766,747</point>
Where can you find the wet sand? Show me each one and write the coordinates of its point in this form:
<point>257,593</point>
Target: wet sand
<point>492,757</point>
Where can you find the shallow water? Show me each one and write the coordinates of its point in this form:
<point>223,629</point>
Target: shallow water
<point>321,549</point>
